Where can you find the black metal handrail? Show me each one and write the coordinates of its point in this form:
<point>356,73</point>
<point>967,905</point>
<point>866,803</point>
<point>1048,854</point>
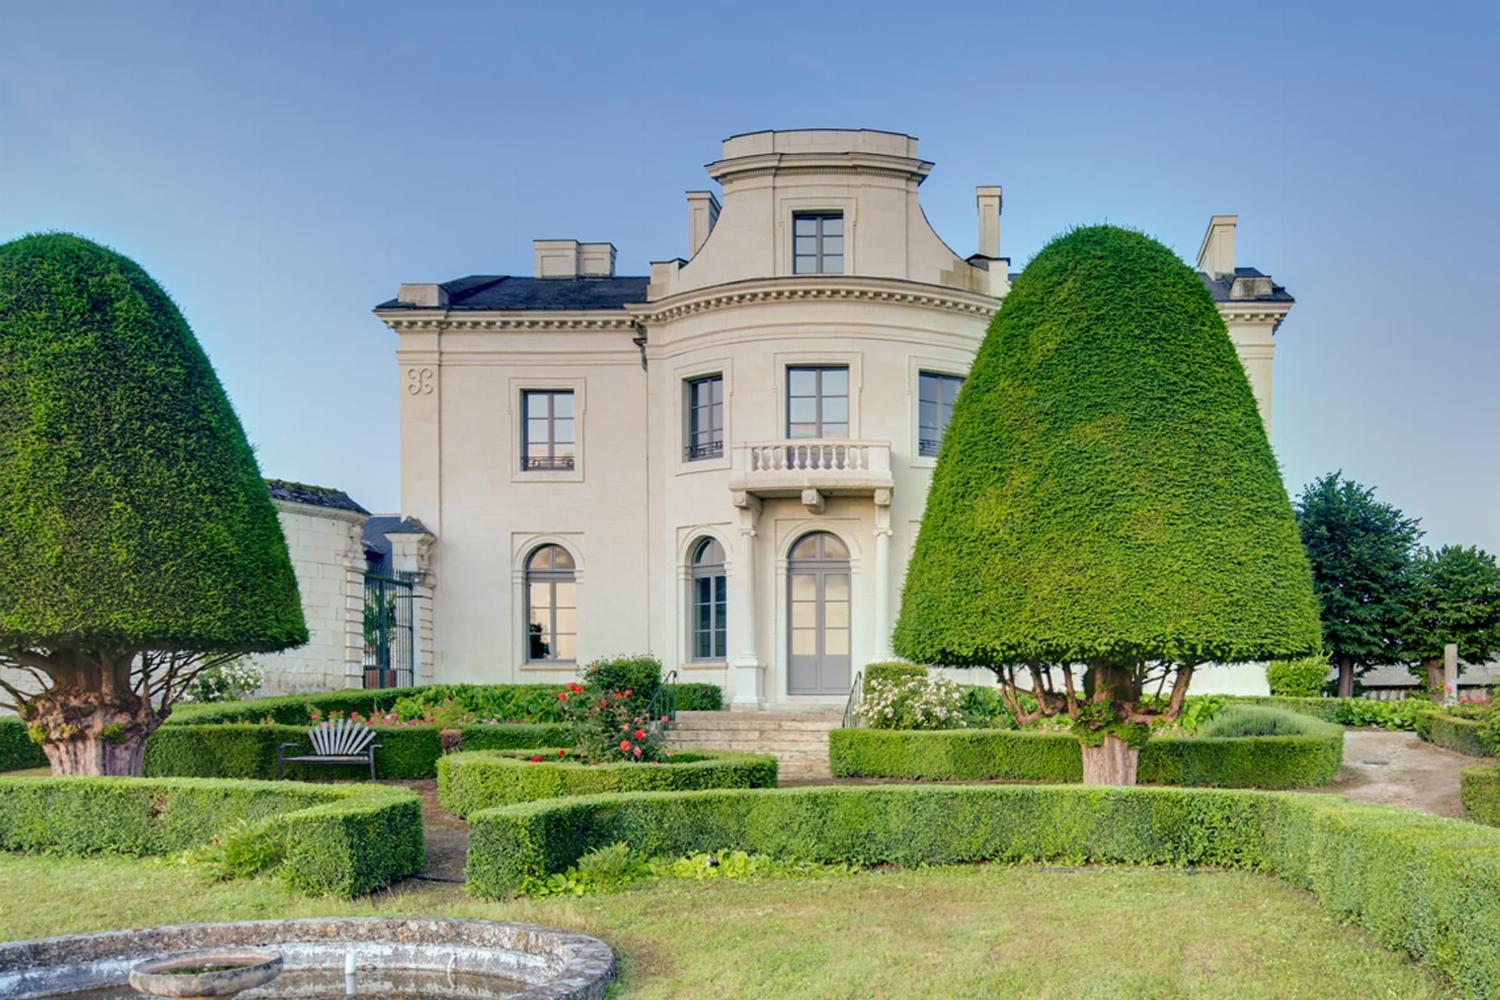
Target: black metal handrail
<point>661,710</point>
<point>856,698</point>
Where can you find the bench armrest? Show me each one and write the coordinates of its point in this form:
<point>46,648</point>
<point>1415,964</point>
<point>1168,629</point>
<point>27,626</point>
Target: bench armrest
<point>285,745</point>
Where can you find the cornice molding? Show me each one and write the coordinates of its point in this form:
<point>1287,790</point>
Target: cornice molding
<point>1254,312</point>
<point>525,322</point>
<point>848,289</point>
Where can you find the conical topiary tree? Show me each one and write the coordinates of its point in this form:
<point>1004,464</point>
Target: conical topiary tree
<point>1106,500</point>
<point>140,544</point>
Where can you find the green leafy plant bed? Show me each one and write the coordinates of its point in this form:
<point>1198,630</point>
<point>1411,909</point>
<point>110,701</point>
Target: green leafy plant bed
<point>1306,754</point>
<point>1358,712</point>
<point>341,840</point>
<point>1480,793</point>
<point>1421,884</point>
<point>469,782</point>
<point>1468,736</point>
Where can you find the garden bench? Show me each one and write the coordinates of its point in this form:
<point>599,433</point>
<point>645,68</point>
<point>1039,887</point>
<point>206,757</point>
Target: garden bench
<point>340,741</point>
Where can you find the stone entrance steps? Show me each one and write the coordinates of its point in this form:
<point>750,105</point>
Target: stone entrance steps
<point>799,740</point>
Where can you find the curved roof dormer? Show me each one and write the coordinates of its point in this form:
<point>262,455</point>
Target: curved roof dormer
<point>861,183</point>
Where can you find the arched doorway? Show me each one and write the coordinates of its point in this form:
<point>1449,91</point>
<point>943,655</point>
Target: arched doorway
<point>818,615</point>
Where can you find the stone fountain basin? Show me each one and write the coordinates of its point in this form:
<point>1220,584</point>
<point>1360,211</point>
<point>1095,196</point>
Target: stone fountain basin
<point>231,972</point>
<point>548,964</point>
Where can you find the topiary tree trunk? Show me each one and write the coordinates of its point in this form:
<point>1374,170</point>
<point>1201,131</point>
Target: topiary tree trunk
<point>95,711</point>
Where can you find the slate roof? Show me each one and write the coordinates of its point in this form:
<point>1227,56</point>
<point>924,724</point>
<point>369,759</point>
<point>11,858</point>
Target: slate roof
<point>505,293</point>
<point>313,496</point>
<point>379,525</point>
<point>1219,287</point>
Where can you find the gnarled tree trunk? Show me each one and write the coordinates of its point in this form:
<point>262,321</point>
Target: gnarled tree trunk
<point>1113,762</point>
<point>90,721</point>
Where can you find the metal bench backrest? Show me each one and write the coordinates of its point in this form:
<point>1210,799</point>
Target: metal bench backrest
<point>340,738</point>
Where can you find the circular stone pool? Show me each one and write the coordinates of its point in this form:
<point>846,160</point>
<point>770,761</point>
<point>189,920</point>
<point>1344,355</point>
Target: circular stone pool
<point>392,959</point>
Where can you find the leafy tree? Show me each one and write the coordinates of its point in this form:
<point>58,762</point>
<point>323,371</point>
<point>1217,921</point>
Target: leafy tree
<point>141,546</point>
<point>1454,596</point>
<point>1360,550</point>
<point>1106,500</point>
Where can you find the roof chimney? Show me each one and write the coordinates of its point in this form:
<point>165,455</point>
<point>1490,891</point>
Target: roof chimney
<point>1216,254</point>
<point>571,259</point>
<point>989,220</point>
<point>703,212</point>
<point>423,296</point>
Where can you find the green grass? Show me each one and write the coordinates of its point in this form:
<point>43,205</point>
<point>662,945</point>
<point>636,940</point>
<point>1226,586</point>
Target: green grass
<point>987,930</point>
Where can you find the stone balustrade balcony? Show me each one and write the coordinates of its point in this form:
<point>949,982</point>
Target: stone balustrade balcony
<point>812,468</point>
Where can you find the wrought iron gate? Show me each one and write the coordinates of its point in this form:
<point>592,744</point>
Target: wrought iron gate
<point>389,636</point>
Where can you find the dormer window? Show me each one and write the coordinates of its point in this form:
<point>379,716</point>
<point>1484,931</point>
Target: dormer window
<point>818,243</point>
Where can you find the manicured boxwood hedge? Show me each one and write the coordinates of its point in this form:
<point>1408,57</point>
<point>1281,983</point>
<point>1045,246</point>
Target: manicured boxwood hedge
<point>247,750</point>
<point>1480,793</point>
<point>17,751</point>
<point>504,701</point>
<point>333,839</point>
<point>1421,884</point>
<point>1462,735</point>
<point>1302,761</point>
<point>469,782</point>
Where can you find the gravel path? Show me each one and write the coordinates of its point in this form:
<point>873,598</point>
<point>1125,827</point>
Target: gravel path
<point>1399,769</point>
<point>447,836</point>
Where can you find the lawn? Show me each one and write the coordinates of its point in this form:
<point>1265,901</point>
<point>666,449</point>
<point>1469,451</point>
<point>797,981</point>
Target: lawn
<point>940,932</point>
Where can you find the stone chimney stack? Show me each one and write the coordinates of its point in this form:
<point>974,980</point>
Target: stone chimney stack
<point>703,212</point>
<point>571,259</point>
<point>989,220</point>
<point>1216,254</point>
<point>425,296</point>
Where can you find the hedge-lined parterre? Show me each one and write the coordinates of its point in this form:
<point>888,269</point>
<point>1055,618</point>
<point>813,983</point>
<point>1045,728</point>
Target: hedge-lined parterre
<point>1393,715</point>
<point>1305,760</point>
<point>247,750</point>
<point>1421,884</point>
<point>341,840</point>
<point>469,782</point>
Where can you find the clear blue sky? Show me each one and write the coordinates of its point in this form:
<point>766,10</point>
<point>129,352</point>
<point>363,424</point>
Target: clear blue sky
<point>282,167</point>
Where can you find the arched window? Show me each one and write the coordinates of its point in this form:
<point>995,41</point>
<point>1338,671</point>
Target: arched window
<point>709,597</point>
<point>551,606</point>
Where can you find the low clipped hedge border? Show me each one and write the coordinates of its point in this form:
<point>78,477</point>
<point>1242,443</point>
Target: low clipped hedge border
<point>1304,761</point>
<point>1479,790</point>
<point>341,840</point>
<point>248,750</point>
<point>17,751</point>
<point>294,709</point>
<point>469,782</point>
<point>1421,884</point>
<point>1453,733</point>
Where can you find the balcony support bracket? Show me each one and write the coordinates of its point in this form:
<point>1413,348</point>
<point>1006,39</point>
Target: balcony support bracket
<point>813,501</point>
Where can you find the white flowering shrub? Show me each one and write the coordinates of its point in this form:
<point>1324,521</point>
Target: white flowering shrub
<point>227,682</point>
<point>913,703</point>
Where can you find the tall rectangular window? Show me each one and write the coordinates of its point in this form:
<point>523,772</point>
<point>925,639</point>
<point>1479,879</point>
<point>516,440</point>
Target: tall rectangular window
<point>817,402</point>
<point>818,243</point>
<point>936,394</point>
<point>547,430</point>
<point>705,418</point>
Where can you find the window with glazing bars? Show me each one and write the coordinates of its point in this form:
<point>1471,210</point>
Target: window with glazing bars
<point>936,394</point>
<point>710,601</point>
<point>705,418</point>
<point>817,402</point>
<point>547,430</point>
<point>818,243</point>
